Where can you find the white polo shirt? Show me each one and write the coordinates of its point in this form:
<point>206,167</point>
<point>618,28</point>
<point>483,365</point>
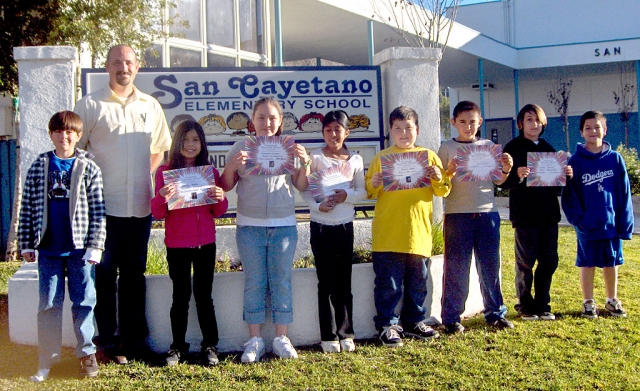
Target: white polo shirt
<point>122,133</point>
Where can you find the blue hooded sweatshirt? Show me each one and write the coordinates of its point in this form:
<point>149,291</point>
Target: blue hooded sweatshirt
<point>597,200</point>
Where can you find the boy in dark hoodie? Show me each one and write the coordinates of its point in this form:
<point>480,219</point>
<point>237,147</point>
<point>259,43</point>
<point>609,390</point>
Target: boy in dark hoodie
<point>534,213</point>
<point>597,202</point>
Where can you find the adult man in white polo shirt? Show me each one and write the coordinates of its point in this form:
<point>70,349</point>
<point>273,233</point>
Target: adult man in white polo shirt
<point>127,132</point>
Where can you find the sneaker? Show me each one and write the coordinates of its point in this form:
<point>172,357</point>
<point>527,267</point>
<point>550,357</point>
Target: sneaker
<point>40,376</point>
<point>547,316</point>
<point>283,348</point>
<point>174,356</point>
<point>330,346</point>
<point>421,331</point>
<point>528,316</point>
<point>502,324</point>
<point>209,356</point>
<point>589,309</point>
<point>253,350</point>
<point>347,345</point>
<point>89,366</point>
<point>614,307</point>
<point>390,336</point>
<point>453,328</point>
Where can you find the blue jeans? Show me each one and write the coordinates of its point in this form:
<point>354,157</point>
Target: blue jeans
<point>82,292</point>
<point>125,255</point>
<point>267,258</point>
<point>392,270</point>
<point>466,234</point>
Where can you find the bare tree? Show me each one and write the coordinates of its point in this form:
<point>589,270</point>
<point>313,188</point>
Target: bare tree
<point>559,95</point>
<point>421,23</point>
<point>625,99</point>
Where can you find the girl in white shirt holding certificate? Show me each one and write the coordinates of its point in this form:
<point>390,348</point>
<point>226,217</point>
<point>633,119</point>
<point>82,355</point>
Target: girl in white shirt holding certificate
<point>332,232</point>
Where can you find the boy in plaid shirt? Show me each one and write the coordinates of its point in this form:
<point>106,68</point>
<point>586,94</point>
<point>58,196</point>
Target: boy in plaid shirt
<point>63,217</point>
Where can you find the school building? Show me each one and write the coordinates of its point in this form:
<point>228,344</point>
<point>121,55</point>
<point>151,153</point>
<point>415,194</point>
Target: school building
<point>501,54</point>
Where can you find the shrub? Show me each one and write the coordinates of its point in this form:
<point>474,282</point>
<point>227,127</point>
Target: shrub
<point>630,156</point>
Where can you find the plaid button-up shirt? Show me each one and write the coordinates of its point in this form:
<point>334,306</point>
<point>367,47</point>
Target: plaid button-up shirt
<point>86,204</point>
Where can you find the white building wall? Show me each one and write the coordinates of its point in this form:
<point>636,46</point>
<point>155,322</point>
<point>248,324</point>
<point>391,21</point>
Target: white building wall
<point>587,93</point>
<point>485,17</point>
<point>553,22</point>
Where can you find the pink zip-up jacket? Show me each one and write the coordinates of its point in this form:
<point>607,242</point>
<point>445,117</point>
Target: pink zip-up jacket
<point>187,227</point>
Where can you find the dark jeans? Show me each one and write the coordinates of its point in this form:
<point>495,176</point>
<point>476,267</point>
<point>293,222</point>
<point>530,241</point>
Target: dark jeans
<point>332,247</point>
<point>125,254</point>
<point>392,270</point>
<point>204,261</point>
<point>467,234</point>
<point>533,243</point>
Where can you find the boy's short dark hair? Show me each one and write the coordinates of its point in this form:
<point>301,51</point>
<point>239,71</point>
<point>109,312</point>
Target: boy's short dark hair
<point>593,114</point>
<point>403,113</point>
<point>531,108</point>
<point>466,105</point>
<point>65,120</point>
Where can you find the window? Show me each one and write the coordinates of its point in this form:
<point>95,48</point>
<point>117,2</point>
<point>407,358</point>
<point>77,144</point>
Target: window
<point>251,18</point>
<point>216,60</point>
<point>184,57</point>
<point>220,22</point>
<point>187,10</point>
<point>223,33</point>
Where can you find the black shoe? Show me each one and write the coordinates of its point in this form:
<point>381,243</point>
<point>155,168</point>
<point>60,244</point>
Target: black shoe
<point>390,336</point>
<point>144,354</point>
<point>111,355</point>
<point>547,316</point>
<point>528,316</point>
<point>209,356</point>
<point>174,357</point>
<point>89,366</point>
<point>502,324</point>
<point>453,328</point>
<point>421,331</point>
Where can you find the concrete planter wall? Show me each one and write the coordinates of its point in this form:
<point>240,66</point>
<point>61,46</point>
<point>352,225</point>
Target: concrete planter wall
<point>228,290</point>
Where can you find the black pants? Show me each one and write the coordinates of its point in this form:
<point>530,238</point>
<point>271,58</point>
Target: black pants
<point>332,247</point>
<point>531,244</point>
<point>203,260</point>
<point>125,254</point>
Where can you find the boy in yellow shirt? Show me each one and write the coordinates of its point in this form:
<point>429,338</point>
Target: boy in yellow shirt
<point>401,236</point>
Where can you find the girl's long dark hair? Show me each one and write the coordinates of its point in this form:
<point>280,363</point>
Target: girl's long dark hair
<point>176,160</point>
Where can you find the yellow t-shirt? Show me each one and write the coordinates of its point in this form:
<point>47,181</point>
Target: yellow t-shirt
<point>402,223</point>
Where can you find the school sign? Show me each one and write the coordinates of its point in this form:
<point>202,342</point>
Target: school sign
<point>222,102</point>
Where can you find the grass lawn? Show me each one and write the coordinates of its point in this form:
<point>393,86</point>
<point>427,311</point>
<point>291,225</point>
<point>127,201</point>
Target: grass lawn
<point>569,354</point>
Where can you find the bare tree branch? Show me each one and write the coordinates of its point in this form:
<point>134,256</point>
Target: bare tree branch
<point>421,23</point>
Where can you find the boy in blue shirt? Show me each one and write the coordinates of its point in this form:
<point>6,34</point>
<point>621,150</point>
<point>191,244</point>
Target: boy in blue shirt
<point>63,217</point>
<point>597,202</point>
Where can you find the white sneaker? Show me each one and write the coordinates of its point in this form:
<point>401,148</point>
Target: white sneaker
<point>347,345</point>
<point>40,376</point>
<point>253,350</point>
<point>282,347</point>
<point>330,346</point>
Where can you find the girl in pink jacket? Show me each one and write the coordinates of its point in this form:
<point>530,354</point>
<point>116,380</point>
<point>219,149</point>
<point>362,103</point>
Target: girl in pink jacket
<point>190,237</point>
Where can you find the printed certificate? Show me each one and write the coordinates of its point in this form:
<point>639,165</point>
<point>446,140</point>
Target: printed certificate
<point>479,163</point>
<point>403,171</point>
<point>323,183</point>
<point>192,185</point>
<point>547,168</point>
<point>269,155</point>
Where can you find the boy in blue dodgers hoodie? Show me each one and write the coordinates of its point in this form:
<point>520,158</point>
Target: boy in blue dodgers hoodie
<point>63,217</point>
<point>597,202</point>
